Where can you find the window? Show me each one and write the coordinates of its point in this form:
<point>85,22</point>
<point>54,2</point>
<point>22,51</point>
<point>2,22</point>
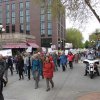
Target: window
<point>13,6</point>
<point>13,14</point>
<point>21,28</point>
<point>49,10</point>
<point>7,7</point>
<point>42,25</point>
<point>42,17</point>
<point>13,20</point>
<point>13,28</point>
<point>42,32</point>
<point>0,20</point>
<point>49,32</point>
<point>49,17</point>
<point>8,15</point>
<point>21,13</point>
<point>7,29</point>
<point>21,19</point>
<point>27,4</point>
<point>0,1</point>
<point>49,2</point>
<point>42,10</point>
<point>7,20</point>
<point>28,28</point>
<point>27,19</point>
<point>27,12</point>
<point>43,3</point>
<point>21,5</point>
<point>0,9</point>
<point>49,25</point>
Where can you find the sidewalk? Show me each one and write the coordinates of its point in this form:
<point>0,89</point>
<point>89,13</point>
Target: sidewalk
<point>69,85</point>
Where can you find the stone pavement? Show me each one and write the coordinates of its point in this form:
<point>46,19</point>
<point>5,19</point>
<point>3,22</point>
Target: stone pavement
<point>69,85</point>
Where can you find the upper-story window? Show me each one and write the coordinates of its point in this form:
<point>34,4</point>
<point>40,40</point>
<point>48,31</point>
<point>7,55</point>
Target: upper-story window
<point>49,2</point>
<point>27,4</point>
<point>13,14</point>
<point>27,12</point>
<point>42,10</point>
<point>43,17</point>
<point>21,5</point>
<point>7,14</point>
<point>0,1</point>
<point>7,7</point>
<point>0,9</point>
<point>13,6</point>
<point>49,17</point>
<point>21,13</point>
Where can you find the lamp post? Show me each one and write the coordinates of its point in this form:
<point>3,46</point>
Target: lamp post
<point>1,31</point>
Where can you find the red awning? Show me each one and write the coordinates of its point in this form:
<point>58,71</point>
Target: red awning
<point>15,45</point>
<point>33,45</point>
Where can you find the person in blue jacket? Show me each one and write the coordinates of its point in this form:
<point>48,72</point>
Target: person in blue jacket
<point>36,70</point>
<point>63,61</point>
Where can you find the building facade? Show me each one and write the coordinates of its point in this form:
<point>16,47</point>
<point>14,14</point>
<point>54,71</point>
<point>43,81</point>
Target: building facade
<point>29,17</point>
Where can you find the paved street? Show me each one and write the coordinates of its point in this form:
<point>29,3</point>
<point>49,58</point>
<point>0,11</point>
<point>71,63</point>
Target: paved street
<point>69,85</point>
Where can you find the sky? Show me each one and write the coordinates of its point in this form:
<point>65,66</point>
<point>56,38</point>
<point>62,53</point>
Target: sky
<point>92,24</point>
<point>90,27</point>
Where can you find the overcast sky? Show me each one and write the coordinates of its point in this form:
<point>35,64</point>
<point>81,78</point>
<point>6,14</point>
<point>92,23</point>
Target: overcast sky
<point>90,27</point>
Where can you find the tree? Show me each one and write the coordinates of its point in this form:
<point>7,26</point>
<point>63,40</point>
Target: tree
<point>77,10</point>
<point>75,37</point>
<point>87,44</point>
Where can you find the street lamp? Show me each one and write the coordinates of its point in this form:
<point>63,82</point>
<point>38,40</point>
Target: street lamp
<point>1,30</point>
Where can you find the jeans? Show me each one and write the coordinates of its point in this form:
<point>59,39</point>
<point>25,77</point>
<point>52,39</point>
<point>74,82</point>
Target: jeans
<point>47,82</point>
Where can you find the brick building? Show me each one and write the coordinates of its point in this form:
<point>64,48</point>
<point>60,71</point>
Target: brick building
<point>29,17</point>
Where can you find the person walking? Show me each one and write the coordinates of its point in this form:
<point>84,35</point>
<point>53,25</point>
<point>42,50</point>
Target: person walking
<point>20,64</point>
<point>29,65</point>
<point>10,65</point>
<point>36,70</point>
<point>48,69</point>
<point>70,59</point>
<point>63,61</point>
<point>55,60</point>
<point>2,70</point>
<point>25,64</point>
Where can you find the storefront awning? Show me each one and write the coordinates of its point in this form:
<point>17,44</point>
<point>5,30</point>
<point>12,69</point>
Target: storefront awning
<point>19,45</point>
<point>33,45</point>
<point>14,45</point>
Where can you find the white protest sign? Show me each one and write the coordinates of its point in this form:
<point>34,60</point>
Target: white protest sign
<point>29,49</point>
<point>66,52</point>
<point>7,52</point>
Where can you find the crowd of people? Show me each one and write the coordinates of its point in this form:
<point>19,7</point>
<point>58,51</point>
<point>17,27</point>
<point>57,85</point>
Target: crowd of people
<point>37,65</point>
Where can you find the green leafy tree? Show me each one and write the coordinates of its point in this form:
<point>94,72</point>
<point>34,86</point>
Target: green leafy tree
<point>87,44</point>
<point>75,37</point>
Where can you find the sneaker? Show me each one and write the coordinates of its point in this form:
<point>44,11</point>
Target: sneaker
<point>48,89</point>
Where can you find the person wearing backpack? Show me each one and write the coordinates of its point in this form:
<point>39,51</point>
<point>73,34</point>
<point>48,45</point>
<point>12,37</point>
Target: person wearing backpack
<point>48,69</point>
